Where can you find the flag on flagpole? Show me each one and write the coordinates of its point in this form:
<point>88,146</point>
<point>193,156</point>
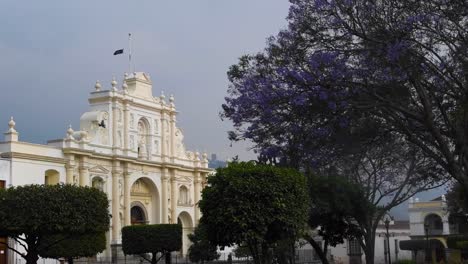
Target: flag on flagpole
<point>117,52</point>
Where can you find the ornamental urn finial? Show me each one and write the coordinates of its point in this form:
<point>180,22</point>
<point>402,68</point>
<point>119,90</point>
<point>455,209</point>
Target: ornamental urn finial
<point>97,86</point>
<point>162,97</point>
<point>12,125</point>
<point>125,87</point>
<point>70,131</point>
<point>114,84</point>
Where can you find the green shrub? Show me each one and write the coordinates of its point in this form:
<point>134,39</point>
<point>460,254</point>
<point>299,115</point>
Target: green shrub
<point>154,239</point>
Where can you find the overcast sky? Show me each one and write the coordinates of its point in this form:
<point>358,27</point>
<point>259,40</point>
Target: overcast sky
<point>52,52</point>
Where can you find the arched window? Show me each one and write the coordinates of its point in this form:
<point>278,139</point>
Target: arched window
<point>183,195</point>
<point>98,183</point>
<point>51,177</point>
<point>433,224</point>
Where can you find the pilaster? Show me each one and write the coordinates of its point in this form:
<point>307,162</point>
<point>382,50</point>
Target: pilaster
<point>196,198</point>
<point>127,189</point>
<point>163,136</point>
<point>70,169</point>
<point>115,110</point>
<point>164,181</point>
<point>84,171</point>
<point>172,135</point>
<point>126,127</point>
<point>116,176</point>
<point>174,192</point>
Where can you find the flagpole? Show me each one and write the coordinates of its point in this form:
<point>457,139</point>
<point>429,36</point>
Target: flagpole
<point>130,53</point>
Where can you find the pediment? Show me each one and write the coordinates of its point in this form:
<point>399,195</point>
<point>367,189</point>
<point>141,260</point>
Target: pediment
<point>184,179</point>
<point>99,169</point>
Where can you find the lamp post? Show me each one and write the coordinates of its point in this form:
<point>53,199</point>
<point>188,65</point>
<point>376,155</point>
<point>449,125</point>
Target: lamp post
<point>387,223</point>
<point>426,231</point>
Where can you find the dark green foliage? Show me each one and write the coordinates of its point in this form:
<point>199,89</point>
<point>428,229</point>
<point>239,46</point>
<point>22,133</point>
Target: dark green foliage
<point>63,246</point>
<point>255,205</point>
<point>242,252</point>
<point>201,249</point>
<point>29,213</point>
<point>457,242</point>
<point>457,199</point>
<point>337,207</point>
<point>154,239</point>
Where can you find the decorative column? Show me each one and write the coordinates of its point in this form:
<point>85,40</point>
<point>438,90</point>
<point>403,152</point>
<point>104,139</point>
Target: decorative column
<point>116,175</point>
<point>127,189</point>
<point>83,170</point>
<point>126,127</point>
<point>165,178</point>
<point>115,110</point>
<point>163,135</point>
<point>173,197</point>
<point>70,169</point>
<point>196,195</point>
<point>172,135</point>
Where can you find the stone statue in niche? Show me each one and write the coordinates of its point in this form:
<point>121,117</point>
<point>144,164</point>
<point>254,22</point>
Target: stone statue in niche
<point>119,138</point>
<point>103,136</point>
<point>75,179</point>
<point>142,148</point>
<point>156,146</point>
<point>132,143</point>
<point>156,126</point>
<point>132,120</point>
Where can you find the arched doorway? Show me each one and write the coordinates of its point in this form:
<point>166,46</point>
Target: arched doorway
<point>51,177</point>
<point>137,215</point>
<point>185,220</point>
<point>145,203</point>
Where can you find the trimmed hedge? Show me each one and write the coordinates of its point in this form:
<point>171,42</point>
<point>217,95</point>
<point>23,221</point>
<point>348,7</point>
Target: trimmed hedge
<point>141,239</point>
<point>76,246</point>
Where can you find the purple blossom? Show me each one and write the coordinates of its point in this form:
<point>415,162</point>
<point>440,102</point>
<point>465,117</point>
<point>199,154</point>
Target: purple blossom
<point>395,50</point>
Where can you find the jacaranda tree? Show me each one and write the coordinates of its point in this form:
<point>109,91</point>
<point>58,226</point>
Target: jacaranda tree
<point>345,76</point>
<point>397,65</point>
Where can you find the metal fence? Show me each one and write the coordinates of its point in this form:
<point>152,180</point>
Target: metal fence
<point>302,256</point>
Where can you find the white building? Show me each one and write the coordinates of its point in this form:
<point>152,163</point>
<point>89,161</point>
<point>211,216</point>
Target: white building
<point>432,226</point>
<point>350,251</point>
<point>128,145</point>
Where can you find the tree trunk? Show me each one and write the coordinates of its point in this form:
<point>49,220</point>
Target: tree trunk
<point>70,260</point>
<point>153,258</point>
<point>168,258</point>
<point>32,257</point>
<point>318,249</point>
<point>369,250</point>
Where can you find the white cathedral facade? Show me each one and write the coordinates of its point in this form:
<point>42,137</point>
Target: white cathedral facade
<point>128,145</point>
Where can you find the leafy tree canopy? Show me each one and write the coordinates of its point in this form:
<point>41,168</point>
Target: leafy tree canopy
<point>254,205</point>
<point>201,249</point>
<point>154,239</point>
<point>344,72</point>
<point>29,213</point>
